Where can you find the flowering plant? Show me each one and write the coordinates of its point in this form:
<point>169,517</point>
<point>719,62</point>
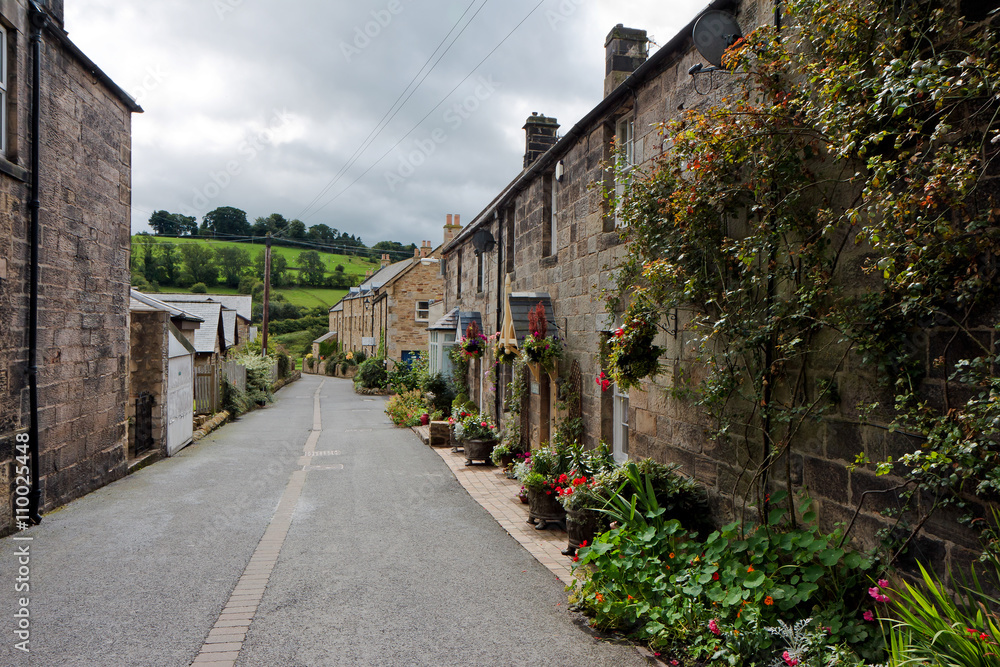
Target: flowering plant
<point>501,353</point>
<point>473,343</point>
<point>538,347</point>
<point>632,353</point>
<point>475,427</point>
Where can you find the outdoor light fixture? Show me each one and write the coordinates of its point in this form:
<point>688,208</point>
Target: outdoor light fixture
<point>427,261</point>
<point>560,170</point>
<point>483,241</point>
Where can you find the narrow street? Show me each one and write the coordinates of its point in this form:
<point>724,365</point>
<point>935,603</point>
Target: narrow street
<point>309,533</point>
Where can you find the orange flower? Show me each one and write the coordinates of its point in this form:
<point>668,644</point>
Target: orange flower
<point>750,569</point>
<point>768,600</point>
<point>599,597</point>
<point>671,554</point>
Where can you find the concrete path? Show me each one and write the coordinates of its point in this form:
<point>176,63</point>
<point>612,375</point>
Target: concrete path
<point>309,533</point>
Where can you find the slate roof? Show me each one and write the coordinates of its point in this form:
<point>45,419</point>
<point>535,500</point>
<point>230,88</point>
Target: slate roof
<point>521,303</point>
<point>143,303</point>
<point>241,303</point>
<point>447,323</point>
<point>465,318</point>
<point>325,337</point>
<point>206,335</point>
<point>229,325</point>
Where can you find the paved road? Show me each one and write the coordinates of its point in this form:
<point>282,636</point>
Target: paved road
<point>386,560</point>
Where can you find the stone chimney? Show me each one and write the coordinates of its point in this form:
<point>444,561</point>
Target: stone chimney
<point>425,248</point>
<point>540,136</point>
<point>451,228</point>
<point>385,260</point>
<point>625,49</point>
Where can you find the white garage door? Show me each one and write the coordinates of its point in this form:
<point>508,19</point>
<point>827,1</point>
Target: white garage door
<point>180,402</point>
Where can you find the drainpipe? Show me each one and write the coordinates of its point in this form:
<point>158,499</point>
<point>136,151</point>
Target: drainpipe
<point>39,20</point>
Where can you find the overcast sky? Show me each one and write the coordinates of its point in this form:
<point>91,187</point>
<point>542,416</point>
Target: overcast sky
<point>261,104</point>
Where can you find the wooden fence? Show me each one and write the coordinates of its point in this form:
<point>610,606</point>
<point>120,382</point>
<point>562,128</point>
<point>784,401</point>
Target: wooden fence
<point>208,384</point>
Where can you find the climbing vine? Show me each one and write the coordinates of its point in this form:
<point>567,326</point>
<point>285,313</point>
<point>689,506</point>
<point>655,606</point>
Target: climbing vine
<point>833,204</point>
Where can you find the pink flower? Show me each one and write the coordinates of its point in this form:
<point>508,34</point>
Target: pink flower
<point>868,615</point>
<point>714,627</point>
<point>483,424</point>
<point>789,660</point>
<point>883,583</point>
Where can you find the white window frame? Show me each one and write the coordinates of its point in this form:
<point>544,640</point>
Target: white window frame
<point>619,438</point>
<point>628,148</point>
<point>426,310</point>
<point>3,90</point>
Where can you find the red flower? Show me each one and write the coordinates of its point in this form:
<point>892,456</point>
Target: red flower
<point>583,544</point>
<point>715,576</point>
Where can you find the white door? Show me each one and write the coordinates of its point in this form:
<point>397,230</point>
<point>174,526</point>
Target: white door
<point>180,402</point>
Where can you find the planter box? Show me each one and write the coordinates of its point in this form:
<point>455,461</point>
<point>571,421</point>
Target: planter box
<point>582,525</point>
<point>478,450</point>
<point>544,509</point>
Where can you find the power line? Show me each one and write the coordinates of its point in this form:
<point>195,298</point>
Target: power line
<point>435,108</point>
<point>393,109</point>
<point>235,238</point>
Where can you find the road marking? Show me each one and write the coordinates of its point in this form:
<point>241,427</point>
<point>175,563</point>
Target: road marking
<point>329,453</point>
<point>334,466</point>
<point>225,639</point>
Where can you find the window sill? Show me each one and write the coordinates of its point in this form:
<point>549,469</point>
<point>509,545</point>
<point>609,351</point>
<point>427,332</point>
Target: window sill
<point>550,260</point>
<point>14,171</point>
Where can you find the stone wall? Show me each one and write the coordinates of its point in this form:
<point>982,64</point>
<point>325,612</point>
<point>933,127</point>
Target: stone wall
<point>150,347</point>
<point>83,335</point>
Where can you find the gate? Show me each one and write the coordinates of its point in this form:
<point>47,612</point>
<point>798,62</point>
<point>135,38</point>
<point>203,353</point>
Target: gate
<point>143,423</point>
<point>206,389</point>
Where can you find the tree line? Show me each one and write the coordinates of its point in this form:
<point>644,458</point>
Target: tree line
<point>229,222</point>
<point>156,262</point>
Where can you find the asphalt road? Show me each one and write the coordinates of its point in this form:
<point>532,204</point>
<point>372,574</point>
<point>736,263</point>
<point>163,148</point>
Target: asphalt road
<point>387,560</point>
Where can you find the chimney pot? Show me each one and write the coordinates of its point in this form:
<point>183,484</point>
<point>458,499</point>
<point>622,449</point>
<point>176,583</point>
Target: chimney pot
<point>625,50</point>
<point>451,228</point>
<point>540,135</point>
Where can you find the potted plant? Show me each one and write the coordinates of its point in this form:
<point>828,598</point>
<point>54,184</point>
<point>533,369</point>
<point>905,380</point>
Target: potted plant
<point>542,475</point>
<point>585,494</point>
<point>502,353</point>
<point>473,344</point>
<point>538,347</point>
<point>632,355</point>
<point>478,435</point>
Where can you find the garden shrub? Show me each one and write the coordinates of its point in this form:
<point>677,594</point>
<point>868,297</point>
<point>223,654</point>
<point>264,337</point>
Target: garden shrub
<point>372,374</point>
<point>438,392</point>
<point>199,288</point>
<point>405,409</point>
<point>258,377</point>
<point>234,400</point>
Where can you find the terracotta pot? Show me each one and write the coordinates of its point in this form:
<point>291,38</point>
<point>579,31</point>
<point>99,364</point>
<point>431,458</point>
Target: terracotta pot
<point>478,450</point>
<point>544,509</point>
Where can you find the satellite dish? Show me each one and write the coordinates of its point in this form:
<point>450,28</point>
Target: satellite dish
<point>713,33</point>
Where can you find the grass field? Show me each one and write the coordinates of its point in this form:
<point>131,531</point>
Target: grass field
<point>308,297</point>
<point>352,265</point>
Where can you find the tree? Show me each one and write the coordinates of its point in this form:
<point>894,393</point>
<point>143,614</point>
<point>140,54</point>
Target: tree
<point>165,223</point>
<point>296,229</point>
<point>226,221</point>
<point>199,263</point>
<point>168,262</point>
<point>322,234</point>
<point>233,262</point>
<point>146,246</point>
<point>312,267</point>
<point>273,223</point>
<point>395,249</point>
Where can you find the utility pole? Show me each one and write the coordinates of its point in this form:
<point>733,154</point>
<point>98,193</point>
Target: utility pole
<point>267,293</point>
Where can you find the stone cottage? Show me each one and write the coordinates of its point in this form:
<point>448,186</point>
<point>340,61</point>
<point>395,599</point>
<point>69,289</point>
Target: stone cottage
<point>392,304</point>
<point>65,192</point>
<point>551,238</point>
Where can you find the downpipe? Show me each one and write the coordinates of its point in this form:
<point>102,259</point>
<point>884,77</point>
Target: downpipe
<point>39,20</point>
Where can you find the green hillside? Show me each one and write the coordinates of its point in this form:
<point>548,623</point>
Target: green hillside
<point>306,297</point>
<point>352,265</point>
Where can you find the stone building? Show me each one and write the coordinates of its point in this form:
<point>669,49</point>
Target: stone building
<point>551,233</point>
<point>79,164</point>
<point>394,303</point>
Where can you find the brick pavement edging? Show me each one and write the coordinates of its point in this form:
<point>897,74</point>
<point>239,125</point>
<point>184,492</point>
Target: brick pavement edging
<point>498,495</point>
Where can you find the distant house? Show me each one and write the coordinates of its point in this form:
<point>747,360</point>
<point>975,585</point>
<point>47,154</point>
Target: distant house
<point>237,313</point>
<point>392,306</point>
<point>209,340</point>
<point>64,360</point>
<point>161,386</point>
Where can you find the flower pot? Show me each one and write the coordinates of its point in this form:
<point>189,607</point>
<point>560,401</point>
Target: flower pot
<point>506,460</point>
<point>478,450</point>
<point>582,525</point>
<point>544,509</point>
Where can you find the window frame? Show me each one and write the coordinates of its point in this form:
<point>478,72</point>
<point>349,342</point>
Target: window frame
<point>624,138</point>
<point>620,431</point>
<point>426,310</point>
<point>4,88</point>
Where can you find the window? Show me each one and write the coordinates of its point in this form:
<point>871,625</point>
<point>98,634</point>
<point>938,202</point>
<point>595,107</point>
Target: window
<point>627,155</point>
<point>423,311</point>
<point>458,282</point>
<point>549,216</point>
<point>620,437</point>
<point>3,90</point>
<point>480,271</point>
<point>509,252</point>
